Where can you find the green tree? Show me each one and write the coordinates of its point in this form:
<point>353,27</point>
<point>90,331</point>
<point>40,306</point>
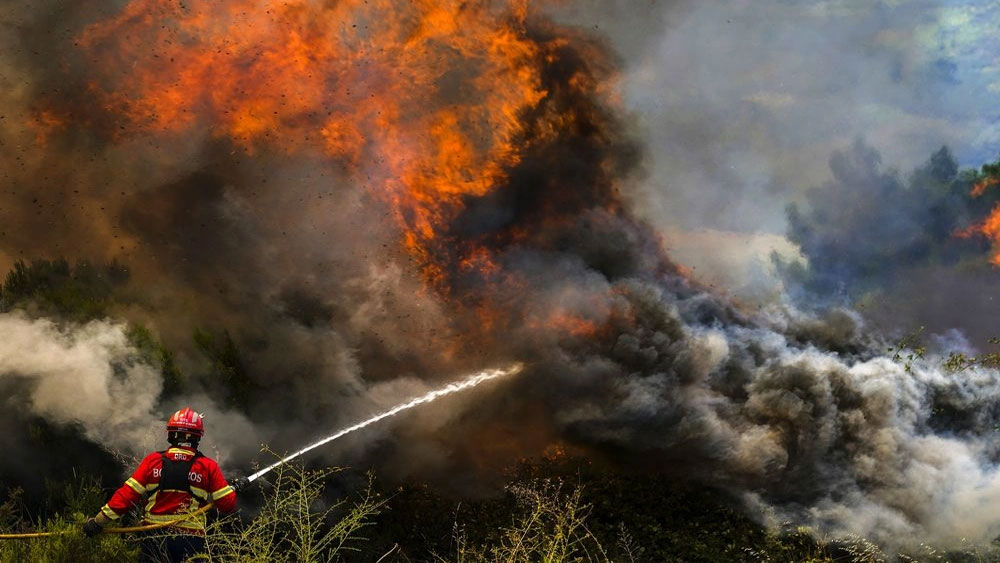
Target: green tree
<point>81,292</point>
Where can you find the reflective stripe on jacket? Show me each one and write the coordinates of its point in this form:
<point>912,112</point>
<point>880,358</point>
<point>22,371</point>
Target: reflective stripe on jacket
<point>205,481</point>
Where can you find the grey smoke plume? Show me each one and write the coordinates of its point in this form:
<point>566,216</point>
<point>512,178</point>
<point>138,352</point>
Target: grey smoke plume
<point>743,102</point>
<point>805,416</point>
<point>850,442</point>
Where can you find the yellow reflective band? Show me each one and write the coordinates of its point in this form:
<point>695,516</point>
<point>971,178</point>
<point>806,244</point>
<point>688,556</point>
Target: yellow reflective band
<point>152,501</point>
<point>106,510</point>
<point>180,451</point>
<point>196,523</point>
<point>222,492</point>
<point>200,493</point>
<point>136,486</point>
<point>169,517</point>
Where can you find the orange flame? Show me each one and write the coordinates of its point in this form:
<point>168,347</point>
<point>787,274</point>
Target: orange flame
<point>573,325</point>
<point>980,187</point>
<point>43,123</point>
<point>427,92</point>
<point>990,227</point>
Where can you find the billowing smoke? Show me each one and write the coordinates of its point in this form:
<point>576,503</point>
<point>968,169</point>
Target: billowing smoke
<point>92,376</point>
<point>114,394</point>
<point>850,441</point>
<point>348,215</point>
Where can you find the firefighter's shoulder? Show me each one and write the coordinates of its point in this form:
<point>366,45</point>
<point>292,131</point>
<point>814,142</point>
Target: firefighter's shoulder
<point>205,465</point>
<point>151,459</point>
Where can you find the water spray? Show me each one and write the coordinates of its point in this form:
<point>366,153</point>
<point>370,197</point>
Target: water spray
<point>469,382</point>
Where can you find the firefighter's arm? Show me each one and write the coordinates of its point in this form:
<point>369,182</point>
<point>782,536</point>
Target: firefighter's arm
<point>129,494</point>
<point>222,494</point>
<point>123,499</point>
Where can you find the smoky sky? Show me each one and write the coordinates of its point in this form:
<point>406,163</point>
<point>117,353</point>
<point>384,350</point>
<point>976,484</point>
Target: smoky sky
<point>743,102</point>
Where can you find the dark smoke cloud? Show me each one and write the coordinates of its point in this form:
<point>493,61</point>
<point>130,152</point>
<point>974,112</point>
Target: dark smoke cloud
<point>803,414</point>
<point>799,413</point>
<point>866,224</point>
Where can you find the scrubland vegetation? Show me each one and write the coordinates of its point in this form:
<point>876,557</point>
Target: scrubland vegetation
<point>552,510</point>
<point>559,509</point>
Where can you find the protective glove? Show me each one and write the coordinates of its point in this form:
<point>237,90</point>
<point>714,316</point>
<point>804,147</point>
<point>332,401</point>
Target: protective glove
<point>240,484</point>
<point>92,527</point>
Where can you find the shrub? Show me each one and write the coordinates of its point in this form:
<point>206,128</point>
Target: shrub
<point>551,528</point>
<point>82,499</point>
<point>295,523</point>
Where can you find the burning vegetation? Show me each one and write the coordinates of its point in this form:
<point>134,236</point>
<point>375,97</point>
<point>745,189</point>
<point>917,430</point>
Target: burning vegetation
<point>436,104</point>
<point>347,201</point>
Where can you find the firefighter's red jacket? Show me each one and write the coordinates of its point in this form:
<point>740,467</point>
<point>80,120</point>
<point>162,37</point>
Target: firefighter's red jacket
<point>205,480</point>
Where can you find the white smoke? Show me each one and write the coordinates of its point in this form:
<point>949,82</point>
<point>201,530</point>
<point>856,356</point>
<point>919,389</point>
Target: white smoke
<point>899,478</point>
<point>88,375</point>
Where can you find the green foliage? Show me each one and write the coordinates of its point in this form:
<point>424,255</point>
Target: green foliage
<point>70,547</point>
<point>158,355</point>
<point>294,523</point>
<point>81,496</point>
<point>544,516</point>
<point>909,349</point>
<point>796,544</point>
<point>11,509</point>
<point>227,368</point>
<point>799,544</point>
<point>579,512</point>
<point>966,554</point>
<point>959,362</point>
<point>990,171</point>
<point>550,527</point>
<point>80,499</point>
<point>82,292</point>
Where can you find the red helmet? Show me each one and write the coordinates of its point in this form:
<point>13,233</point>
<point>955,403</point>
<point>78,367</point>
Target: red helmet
<point>186,420</point>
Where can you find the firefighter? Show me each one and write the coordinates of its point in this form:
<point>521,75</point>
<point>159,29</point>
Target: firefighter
<point>178,480</point>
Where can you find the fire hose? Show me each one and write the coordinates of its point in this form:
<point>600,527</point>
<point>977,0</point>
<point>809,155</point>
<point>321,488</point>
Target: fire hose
<point>127,530</point>
<point>471,381</point>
